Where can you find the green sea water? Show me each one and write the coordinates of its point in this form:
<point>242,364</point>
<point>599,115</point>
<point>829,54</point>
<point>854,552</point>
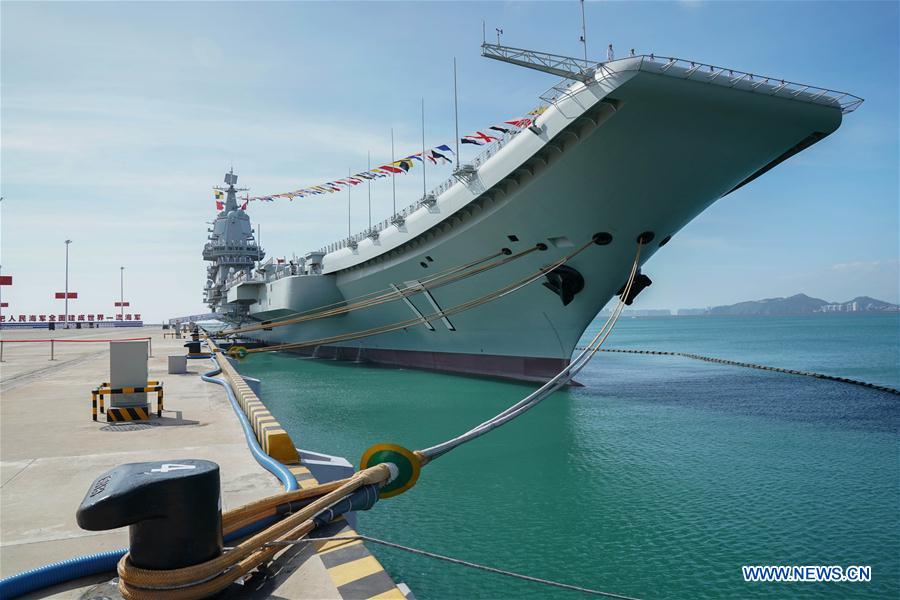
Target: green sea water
<point>659,478</point>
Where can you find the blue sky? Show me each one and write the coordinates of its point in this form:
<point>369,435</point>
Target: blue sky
<point>117,118</point>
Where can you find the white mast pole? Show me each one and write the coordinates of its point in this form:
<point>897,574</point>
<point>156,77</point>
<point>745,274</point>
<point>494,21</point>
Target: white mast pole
<point>424,184</point>
<point>349,230</point>
<point>369,184</point>
<point>583,31</point>
<point>456,112</point>
<point>393,175</point>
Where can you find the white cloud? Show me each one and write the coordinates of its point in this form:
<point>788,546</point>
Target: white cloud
<point>866,266</point>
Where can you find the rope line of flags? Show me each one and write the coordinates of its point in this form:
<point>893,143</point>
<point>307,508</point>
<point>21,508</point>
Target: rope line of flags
<point>220,204</point>
<point>438,155</point>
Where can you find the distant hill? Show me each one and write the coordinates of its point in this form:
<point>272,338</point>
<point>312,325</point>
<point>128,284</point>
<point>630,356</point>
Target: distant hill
<point>801,304</point>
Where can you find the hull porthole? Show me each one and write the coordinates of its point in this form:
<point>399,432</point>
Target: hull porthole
<point>645,238</point>
<point>603,238</point>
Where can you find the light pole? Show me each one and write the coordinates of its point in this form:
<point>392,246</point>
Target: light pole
<point>122,289</point>
<point>67,282</point>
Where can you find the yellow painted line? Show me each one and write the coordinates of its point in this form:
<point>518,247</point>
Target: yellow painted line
<point>353,570</point>
<point>393,594</point>
<point>275,441</point>
<point>327,547</point>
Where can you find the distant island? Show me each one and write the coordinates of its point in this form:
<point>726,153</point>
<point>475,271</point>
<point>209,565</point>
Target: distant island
<point>799,304</point>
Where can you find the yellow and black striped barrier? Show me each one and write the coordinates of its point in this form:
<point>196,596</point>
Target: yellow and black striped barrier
<point>127,413</point>
<point>130,413</point>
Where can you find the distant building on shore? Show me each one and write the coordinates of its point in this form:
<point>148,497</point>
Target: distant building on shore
<point>642,312</point>
<point>692,312</point>
<point>843,307</point>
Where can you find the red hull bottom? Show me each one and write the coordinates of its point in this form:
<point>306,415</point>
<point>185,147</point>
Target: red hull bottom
<point>518,368</point>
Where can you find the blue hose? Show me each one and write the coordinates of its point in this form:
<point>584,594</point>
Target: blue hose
<point>270,464</point>
<point>92,564</point>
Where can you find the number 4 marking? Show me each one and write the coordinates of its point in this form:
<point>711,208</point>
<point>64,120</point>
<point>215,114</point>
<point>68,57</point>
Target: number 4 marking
<point>172,467</point>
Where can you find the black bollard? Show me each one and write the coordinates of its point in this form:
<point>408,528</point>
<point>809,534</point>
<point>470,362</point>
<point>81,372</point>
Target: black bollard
<point>193,347</point>
<point>172,509</point>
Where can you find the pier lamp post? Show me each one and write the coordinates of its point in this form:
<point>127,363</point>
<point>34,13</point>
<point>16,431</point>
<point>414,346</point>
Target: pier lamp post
<point>122,289</point>
<point>67,283</point>
<point>2,283</point>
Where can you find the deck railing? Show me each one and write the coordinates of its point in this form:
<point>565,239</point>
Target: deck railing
<point>707,73</point>
<point>400,216</point>
<point>665,65</point>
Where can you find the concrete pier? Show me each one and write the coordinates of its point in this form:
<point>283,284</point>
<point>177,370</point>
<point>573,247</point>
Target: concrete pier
<point>51,451</point>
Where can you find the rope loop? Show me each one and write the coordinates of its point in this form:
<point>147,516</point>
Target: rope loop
<point>213,576</point>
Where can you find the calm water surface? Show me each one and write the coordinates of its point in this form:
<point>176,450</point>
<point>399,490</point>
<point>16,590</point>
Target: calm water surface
<point>658,479</point>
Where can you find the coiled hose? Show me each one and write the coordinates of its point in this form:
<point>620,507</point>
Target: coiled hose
<point>92,564</point>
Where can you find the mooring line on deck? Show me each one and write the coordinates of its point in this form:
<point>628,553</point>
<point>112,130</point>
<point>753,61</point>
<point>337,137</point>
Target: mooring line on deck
<point>561,379</point>
<point>459,308</point>
<point>735,363</point>
<point>447,276</point>
<point>456,561</point>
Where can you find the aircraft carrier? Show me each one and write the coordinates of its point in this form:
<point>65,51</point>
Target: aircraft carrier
<point>624,152</point>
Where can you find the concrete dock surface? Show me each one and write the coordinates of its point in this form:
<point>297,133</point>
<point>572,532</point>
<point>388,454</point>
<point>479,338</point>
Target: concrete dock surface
<point>51,451</point>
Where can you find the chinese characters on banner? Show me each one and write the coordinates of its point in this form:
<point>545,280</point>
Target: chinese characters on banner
<point>73,318</point>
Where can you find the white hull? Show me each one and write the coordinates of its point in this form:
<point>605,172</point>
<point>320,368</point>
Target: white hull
<point>630,153</point>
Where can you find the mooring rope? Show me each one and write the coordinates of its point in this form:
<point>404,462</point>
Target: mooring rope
<point>450,275</point>
<point>558,381</point>
<point>735,363</point>
<point>306,508</point>
<point>455,561</point>
<point>213,576</point>
<point>459,308</point>
<point>375,295</point>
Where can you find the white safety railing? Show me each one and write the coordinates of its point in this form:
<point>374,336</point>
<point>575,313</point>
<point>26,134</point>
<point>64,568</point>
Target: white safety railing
<point>664,65</point>
<point>707,73</point>
<point>400,216</point>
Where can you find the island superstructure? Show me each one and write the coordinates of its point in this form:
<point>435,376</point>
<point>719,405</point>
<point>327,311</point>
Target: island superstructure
<point>622,151</point>
<point>231,247</point>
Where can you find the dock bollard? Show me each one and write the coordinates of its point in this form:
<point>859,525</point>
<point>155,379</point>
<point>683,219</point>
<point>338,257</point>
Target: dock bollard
<point>172,509</point>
